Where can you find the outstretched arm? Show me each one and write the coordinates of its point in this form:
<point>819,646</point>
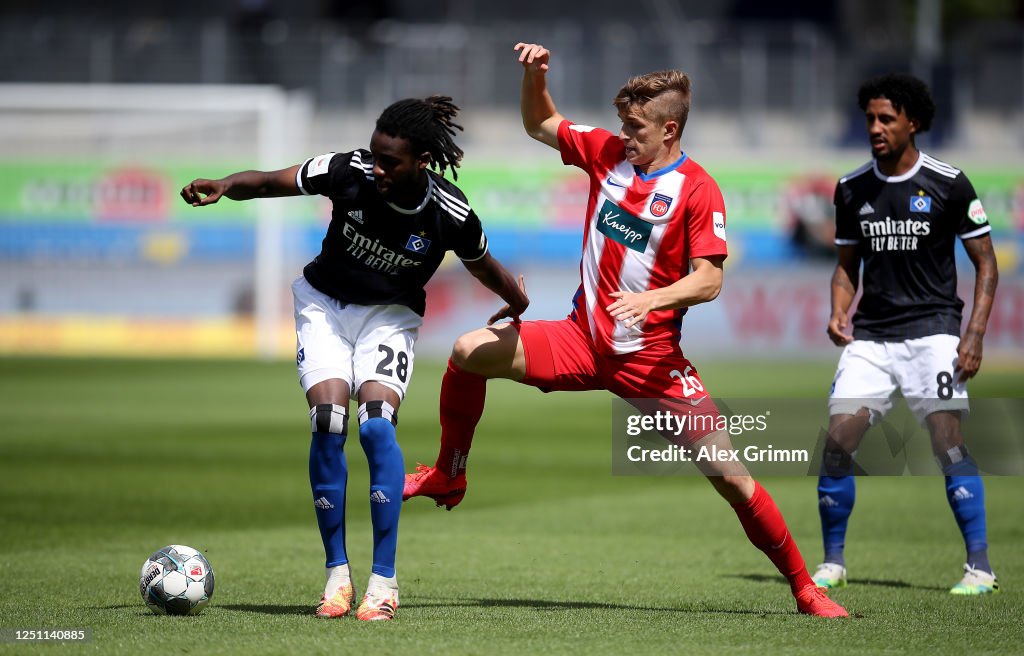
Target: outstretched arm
<point>844,288</point>
<point>540,118</point>
<point>702,284</point>
<point>243,185</point>
<point>986,277</point>
<point>496,278</point>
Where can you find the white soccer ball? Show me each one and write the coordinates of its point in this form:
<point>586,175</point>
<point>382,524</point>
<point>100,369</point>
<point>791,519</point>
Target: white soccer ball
<point>176,580</point>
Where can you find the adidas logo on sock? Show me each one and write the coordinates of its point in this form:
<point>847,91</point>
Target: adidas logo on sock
<point>866,209</point>
<point>962,494</point>
<point>323,504</point>
<point>379,497</point>
<point>828,502</point>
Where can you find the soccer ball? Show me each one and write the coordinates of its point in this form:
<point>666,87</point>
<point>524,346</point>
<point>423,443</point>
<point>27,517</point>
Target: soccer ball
<point>176,580</point>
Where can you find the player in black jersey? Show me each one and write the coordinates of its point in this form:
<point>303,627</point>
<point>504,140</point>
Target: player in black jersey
<point>900,216</point>
<point>359,304</point>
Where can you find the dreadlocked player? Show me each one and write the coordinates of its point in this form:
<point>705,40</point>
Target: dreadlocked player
<point>358,307</point>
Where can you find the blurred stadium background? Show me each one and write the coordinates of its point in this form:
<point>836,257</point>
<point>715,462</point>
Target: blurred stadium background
<point>107,111</point>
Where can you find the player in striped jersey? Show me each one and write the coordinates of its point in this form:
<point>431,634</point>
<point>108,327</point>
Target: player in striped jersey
<point>901,215</point>
<point>359,304</point>
<point>653,245</point>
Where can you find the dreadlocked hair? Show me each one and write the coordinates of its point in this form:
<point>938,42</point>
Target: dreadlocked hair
<point>428,126</point>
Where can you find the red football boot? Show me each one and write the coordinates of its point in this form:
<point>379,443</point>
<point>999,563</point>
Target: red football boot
<point>812,600</point>
<point>430,482</point>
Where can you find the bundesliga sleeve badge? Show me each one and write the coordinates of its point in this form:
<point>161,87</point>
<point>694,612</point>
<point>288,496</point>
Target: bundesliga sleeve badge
<point>976,213</point>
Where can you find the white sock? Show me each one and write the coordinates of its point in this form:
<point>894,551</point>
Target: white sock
<point>378,582</point>
<point>336,577</point>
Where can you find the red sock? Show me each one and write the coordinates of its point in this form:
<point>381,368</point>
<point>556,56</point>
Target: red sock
<point>462,404</point>
<point>767,531</point>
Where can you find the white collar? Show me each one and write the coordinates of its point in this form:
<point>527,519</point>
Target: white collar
<point>900,178</point>
<point>423,203</point>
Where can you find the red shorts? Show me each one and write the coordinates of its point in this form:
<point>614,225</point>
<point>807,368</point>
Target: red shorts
<point>560,358</point>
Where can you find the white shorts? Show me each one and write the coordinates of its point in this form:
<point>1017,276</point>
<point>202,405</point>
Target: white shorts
<point>924,370</point>
<point>356,343</point>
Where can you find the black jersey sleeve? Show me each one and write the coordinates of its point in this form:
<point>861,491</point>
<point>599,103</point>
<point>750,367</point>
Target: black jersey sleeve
<point>966,210</point>
<point>470,242</point>
<point>328,173</point>
<point>464,234</point>
<point>847,229</point>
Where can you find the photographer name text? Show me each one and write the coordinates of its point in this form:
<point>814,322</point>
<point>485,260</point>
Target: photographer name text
<point>713,453</point>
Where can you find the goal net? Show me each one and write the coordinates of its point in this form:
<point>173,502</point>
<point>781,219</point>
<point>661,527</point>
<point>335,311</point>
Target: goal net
<point>99,254</point>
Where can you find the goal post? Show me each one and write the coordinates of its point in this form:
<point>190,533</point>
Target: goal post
<point>105,163</point>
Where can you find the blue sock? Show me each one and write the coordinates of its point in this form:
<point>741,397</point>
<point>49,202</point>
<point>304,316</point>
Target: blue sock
<point>966,496</point>
<point>836,495</point>
<point>328,477</point>
<point>387,478</point>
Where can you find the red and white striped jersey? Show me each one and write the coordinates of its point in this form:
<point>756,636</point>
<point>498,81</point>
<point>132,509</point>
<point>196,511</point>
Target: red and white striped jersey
<point>641,232</point>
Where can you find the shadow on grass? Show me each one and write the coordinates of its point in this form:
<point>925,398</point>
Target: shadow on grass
<point>535,604</point>
<point>270,609</point>
<point>141,611</point>
<point>265,609</point>
<point>882,583</point>
<point>553,605</point>
<point>139,608</point>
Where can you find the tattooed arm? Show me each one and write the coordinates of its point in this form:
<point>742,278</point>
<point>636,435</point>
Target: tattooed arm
<point>986,277</point>
<point>844,288</point>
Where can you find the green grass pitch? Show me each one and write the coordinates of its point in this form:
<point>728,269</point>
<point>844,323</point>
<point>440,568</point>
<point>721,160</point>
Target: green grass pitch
<point>102,462</point>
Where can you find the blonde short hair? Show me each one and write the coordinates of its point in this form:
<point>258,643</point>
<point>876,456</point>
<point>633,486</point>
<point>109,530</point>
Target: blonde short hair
<point>670,89</point>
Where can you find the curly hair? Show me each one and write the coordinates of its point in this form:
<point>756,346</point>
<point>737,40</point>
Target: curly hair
<point>670,88</point>
<point>905,92</point>
<point>428,125</point>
